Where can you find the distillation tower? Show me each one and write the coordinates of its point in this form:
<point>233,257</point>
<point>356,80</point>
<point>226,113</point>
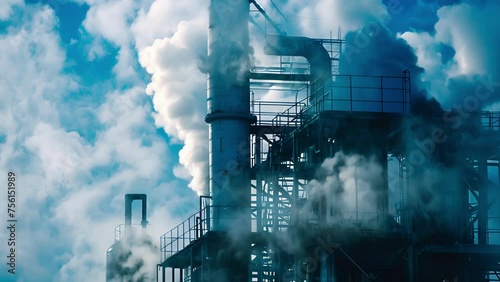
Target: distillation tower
<point>345,183</point>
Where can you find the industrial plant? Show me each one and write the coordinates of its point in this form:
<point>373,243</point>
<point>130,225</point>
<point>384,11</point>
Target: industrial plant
<point>355,178</point>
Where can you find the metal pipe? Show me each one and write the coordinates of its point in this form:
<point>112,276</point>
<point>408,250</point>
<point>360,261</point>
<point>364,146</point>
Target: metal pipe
<point>129,198</point>
<point>263,12</point>
<point>482,223</point>
<point>315,53</point>
<point>207,215</point>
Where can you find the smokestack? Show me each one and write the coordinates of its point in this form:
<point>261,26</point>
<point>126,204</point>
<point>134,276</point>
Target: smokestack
<point>229,119</point>
<point>229,115</point>
<point>129,198</point>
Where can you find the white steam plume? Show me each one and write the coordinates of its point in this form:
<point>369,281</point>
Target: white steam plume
<point>179,96</point>
<point>133,258</point>
<point>347,188</point>
<point>471,31</point>
<point>324,17</point>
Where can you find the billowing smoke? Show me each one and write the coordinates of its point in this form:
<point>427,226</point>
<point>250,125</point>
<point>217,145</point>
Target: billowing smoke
<point>133,258</point>
<point>320,19</point>
<point>460,55</point>
<point>432,194</point>
<point>179,94</point>
<point>345,191</point>
<point>376,51</point>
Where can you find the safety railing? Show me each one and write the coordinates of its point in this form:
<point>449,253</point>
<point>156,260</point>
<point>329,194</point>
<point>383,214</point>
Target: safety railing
<point>121,230</point>
<point>292,116</point>
<point>276,113</point>
<point>493,230</point>
<point>351,219</point>
<point>212,218</point>
<point>490,121</point>
<point>346,93</point>
<point>357,93</point>
<point>224,218</point>
<point>183,234</point>
<point>208,219</point>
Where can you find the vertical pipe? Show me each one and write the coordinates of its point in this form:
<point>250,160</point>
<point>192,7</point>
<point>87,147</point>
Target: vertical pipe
<point>128,210</point>
<point>275,179</point>
<point>350,89</point>
<point>144,221</point>
<point>482,222</point>
<point>332,267</point>
<point>129,198</point>
<point>295,180</point>
<point>258,179</point>
<point>411,264</point>
<point>324,262</point>
<point>207,217</point>
<point>382,93</point>
<point>356,192</point>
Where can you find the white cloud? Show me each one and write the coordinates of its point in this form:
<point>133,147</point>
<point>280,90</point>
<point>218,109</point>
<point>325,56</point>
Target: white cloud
<point>110,19</point>
<point>474,39</point>
<point>324,17</point>
<point>179,93</point>
<point>6,8</point>
<point>162,18</point>
<point>425,47</point>
<point>472,32</point>
<point>70,190</point>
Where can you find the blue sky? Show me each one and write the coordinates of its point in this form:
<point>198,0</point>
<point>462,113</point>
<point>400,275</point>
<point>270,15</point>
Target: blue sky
<point>99,98</point>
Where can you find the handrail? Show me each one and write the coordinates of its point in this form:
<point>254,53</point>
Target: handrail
<point>183,234</point>
<point>200,223</point>
<point>121,229</point>
<point>490,120</point>
<point>346,93</point>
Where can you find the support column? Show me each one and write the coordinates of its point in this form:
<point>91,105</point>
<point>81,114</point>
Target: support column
<point>482,222</point>
<point>411,264</point>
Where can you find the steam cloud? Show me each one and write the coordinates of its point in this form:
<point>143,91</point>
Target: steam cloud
<point>348,185</point>
<point>461,49</point>
<point>178,89</point>
<point>134,258</point>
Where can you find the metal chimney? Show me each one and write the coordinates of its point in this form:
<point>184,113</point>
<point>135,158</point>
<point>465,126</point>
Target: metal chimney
<point>229,115</point>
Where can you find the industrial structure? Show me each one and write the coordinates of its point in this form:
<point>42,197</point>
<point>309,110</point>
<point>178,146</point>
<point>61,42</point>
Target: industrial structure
<point>124,259</point>
<point>347,183</point>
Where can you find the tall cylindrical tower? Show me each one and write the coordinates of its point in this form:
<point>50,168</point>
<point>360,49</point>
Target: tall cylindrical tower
<point>229,115</point>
